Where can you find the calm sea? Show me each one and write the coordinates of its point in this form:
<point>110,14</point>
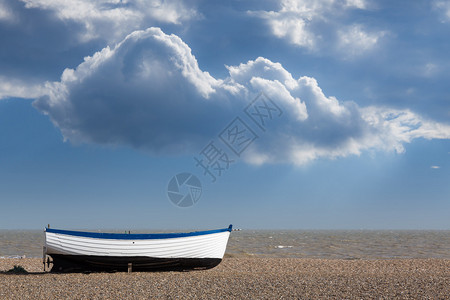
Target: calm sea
<point>352,244</point>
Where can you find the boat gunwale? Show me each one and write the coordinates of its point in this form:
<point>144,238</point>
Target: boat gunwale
<point>135,236</point>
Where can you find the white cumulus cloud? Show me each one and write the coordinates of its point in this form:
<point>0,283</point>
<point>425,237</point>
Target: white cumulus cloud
<point>149,92</point>
<point>42,37</point>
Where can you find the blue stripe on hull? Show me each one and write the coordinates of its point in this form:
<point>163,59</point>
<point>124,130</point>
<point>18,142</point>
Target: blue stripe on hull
<point>138,236</point>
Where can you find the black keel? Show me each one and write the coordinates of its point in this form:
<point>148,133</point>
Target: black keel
<point>86,263</point>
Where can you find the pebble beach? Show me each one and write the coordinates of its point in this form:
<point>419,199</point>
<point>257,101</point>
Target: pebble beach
<point>240,278</point>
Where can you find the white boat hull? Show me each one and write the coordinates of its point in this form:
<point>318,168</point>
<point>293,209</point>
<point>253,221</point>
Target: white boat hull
<point>72,251</point>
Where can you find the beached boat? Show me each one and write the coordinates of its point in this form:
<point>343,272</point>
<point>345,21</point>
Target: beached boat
<point>77,251</point>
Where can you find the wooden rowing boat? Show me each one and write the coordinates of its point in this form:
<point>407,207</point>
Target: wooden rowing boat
<point>78,251</point>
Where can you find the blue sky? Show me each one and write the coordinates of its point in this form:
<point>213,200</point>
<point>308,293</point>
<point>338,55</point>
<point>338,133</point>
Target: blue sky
<point>322,114</point>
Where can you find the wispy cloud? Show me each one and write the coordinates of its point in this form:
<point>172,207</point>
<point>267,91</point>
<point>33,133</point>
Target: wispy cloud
<point>354,40</point>
<point>149,92</point>
<point>435,167</point>
<point>443,8</point>
<point>11,87</point>
<point>110,19</point>
<point>430,70</point>
<point>6,14</point>
<point>303,23</point>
